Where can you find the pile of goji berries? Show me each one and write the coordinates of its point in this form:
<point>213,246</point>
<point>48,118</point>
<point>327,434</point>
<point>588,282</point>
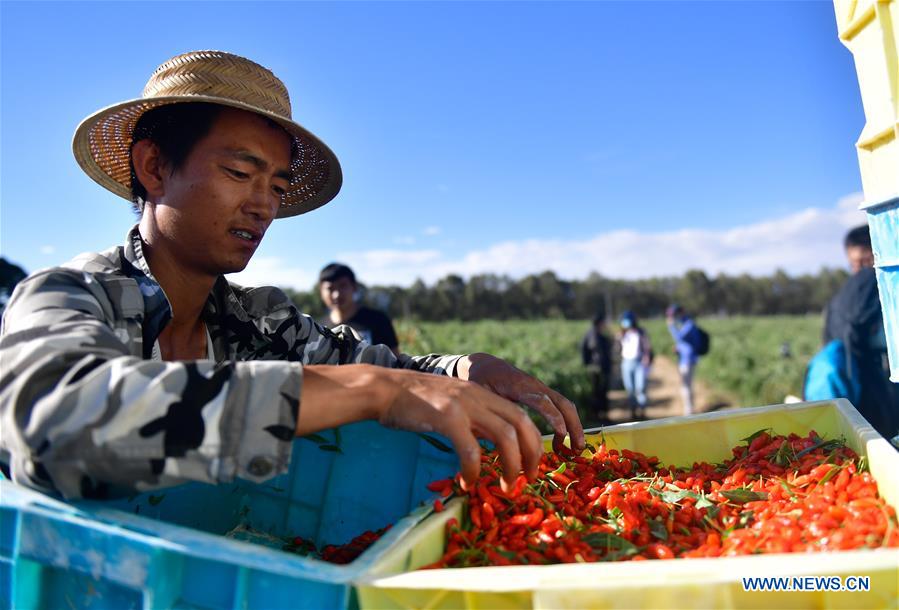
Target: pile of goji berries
<point>336,553</point>
<point>777,494</point>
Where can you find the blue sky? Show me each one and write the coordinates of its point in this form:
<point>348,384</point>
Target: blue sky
<point>629,138</point>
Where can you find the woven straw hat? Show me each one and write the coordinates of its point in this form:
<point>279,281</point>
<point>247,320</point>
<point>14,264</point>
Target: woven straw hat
<point>102,143</point>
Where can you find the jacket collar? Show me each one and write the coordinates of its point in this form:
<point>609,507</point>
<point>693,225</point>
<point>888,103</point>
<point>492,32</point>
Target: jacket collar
<point>157,309</point>
<point>221,304</point>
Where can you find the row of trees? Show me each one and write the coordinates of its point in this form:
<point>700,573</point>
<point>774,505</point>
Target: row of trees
<point>546,296</point>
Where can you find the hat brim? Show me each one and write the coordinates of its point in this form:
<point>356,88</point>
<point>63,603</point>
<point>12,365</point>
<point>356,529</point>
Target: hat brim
<point>102,147</point>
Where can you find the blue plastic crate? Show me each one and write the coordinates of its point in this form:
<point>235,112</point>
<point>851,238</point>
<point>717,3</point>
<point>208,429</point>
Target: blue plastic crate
<point>166,549</point>
<point>883,220</point>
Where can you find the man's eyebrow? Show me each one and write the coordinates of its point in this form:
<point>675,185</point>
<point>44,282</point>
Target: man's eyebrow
<point>242,155</point>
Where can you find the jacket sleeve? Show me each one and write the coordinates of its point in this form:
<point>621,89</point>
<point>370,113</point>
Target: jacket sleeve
<point>342,345</point>
<point>645,345</point>
<point>605,354</point>
<point>586,356</point>
<point>82,416</point>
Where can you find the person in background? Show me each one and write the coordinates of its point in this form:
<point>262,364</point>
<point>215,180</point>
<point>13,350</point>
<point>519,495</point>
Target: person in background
<point>860,256</point>
<point>858,248</point>
<point>636,356</point>
<point>340,293</point>
<point>596,353</point>
<point>853,362</point>
<point>684,332</point>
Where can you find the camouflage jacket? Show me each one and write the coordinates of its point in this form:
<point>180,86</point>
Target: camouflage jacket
<point>86,412</point>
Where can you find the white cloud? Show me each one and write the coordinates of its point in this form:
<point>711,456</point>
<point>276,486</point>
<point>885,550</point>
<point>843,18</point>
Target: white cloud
<point>274,271</point>
<point>385,267</point>
<point>800,242</point>
<point>404,240</point>
<point>48,249</point>
<point>432,230</point>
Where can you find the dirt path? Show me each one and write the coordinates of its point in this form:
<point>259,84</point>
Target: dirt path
<point>663,391</point>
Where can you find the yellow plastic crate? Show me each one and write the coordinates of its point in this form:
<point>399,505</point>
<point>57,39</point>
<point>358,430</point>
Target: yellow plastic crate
<point>870,30</point>
<point>678,583</point>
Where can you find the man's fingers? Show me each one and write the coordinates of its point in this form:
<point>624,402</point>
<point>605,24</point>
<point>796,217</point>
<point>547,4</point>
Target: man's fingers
<point>541,402</point>
<point>505,436</point>
<point>468,450</point>
<point>572,420</point>
<point>529,440</point>
<point>507,381</point>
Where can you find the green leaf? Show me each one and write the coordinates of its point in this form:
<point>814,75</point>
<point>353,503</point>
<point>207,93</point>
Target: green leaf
<point>333,448</point>
<point>616,555</point>
<point>830,474</point>
<point>755,435</point>
<point>704,502</point>
<point>615,512</point>
<point>507,554</point>
<point>560,469</point>
<point>781,458</point>
<point>787,488</point>
<point>673,497</point>
<point>435,443</point>
<point>822,444</point>
<point>862,464</point>
<point>154,500</point>
<point>658,529</point>
<point>746,518</point>
<point>744,495</point>
<point>316,438</point>
<point>606,541</point>
<point>712,511</point>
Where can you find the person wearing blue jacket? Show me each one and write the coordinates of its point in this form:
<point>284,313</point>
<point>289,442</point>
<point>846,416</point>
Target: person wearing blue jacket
<point>684,332</point>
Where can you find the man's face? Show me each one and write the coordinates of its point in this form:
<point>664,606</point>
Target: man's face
<point>216,207</point>
<point>859,258</point>
<point>339,293</point>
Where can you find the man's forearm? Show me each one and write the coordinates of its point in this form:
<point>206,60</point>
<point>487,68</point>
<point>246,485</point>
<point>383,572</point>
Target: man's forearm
<point>336,395</point>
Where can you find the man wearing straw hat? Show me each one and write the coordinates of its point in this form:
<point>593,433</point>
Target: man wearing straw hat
<point>141,366</point>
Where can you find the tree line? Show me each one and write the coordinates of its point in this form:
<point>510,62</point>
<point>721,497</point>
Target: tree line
<point>545,295</point>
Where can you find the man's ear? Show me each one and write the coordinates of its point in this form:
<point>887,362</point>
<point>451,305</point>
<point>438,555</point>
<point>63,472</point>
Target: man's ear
<point>149,167</point>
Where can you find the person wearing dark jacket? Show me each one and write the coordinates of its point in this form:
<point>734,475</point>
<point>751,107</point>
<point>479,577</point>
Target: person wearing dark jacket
<point>596,354</point>
<point>339,292</point>
<point>854,317</point>
<point>859,255</point>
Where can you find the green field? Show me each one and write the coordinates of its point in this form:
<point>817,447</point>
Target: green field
<point>746,362</point>
<point>745,366</point>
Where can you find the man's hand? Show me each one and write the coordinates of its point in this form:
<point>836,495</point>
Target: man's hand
<point>509,382</point>
<point>422,402</point>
